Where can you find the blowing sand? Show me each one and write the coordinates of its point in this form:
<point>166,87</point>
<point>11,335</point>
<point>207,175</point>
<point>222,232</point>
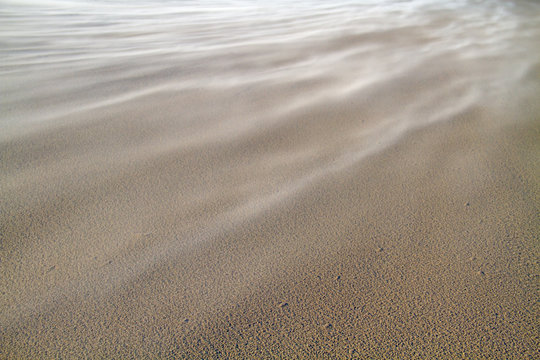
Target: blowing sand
<point>357,193</point>
<point>427,248</point>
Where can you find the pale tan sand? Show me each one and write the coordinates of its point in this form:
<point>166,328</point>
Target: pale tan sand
<point>330,181</point>
<point>272,243</point>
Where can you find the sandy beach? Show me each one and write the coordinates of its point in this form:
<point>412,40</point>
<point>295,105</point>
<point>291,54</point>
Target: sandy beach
<point>366,194</point>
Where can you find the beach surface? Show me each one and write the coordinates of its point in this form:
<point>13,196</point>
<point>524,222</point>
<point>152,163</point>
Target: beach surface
<point>249,180</point>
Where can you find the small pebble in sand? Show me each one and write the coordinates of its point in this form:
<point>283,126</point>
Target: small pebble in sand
<point>338,277</point>
<point>186,320</point>
<point>472,258</point>
<point>327,326</point>
<point>467,204</point>
<point>282,305</point>
<point>380,249</point>
<point>481,273</point>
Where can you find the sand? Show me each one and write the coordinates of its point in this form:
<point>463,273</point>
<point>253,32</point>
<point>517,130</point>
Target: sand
<point>426,248</point>
<point>369,191</point>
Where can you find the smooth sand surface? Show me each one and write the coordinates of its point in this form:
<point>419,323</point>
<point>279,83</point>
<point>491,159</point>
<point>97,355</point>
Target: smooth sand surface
<point>427,248</point>
<point>349,194</point>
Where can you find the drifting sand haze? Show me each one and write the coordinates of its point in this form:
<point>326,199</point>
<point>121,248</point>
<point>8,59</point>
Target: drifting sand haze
<point>361,202</point>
